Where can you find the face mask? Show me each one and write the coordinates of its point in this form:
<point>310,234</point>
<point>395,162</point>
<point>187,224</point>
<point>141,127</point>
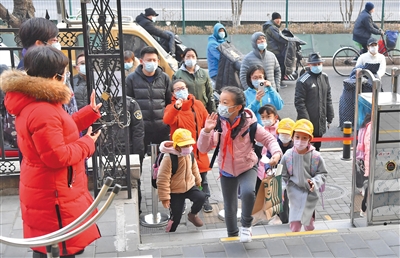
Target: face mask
<point>300,145</point>
<point>154,18</point>
<point>56,45</point>
<point>262,46</point>
<point>316,69</point>
<point>186,151</point>
<point>285,138</point>
<point>221,34</point>
<point>224,111</point>
<point>190,62</point>
<point>82,69</point>
<point>150,66</point>
<point>267,122</point>
<point>373,50</point>
<point>182,94</point>
<point>128,66</point>
<point>256,83</point>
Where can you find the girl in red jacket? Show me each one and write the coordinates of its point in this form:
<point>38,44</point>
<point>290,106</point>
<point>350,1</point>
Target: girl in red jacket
<point>53,183</point>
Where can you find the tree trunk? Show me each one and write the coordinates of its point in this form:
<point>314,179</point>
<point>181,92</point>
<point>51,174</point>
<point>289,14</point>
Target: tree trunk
<point>236,11</point>
<point>23,9</point>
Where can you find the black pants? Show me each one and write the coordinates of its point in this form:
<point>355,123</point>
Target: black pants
<point>178,201</point>
<point>204,184</point>
<point>281,61</point>
<point>317,145</point>
<point>364,201</point>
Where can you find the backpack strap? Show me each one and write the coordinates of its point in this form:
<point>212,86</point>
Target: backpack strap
<point>174,163</point>
<point>218,128</point>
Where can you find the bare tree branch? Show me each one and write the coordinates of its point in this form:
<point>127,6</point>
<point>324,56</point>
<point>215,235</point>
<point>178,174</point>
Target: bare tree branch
<point>22,8</point>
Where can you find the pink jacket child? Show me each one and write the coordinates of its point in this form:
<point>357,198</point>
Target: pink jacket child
<point>243,156</point>
<point>261,168</point>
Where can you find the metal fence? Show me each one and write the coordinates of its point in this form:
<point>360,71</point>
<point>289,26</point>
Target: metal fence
<point>211,11</point>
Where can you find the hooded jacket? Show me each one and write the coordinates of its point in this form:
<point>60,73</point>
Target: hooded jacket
<point>364,26</point>
<point>313,100</point>
<point>276,42</point>
<point>186,176</point>
<point>152,97</point>
<point>53,184</point>
<point>191,116</point>
<point>243,157</point>
<point>198,84</point>
<point>212,52</point>
<point>148,25</point>
<point>302,201</point>
<point>266,59</point>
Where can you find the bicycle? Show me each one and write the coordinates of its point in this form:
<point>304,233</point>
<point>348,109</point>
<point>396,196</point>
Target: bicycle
<point>345,59</point>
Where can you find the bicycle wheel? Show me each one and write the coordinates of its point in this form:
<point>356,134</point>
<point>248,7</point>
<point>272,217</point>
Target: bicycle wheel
<point>344,60</point>
<point>392,57</point>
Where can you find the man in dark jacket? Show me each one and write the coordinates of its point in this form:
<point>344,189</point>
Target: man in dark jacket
<point>365,26</point>
<point>79,81</point>
<point>276,42</point>
<point>147,19</point>
<point>312,99</point>
<point>151,88</point>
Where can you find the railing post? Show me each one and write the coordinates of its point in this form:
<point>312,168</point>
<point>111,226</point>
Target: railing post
<point>346,143</point>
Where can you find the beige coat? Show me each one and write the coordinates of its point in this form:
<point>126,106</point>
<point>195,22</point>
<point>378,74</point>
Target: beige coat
<point>186,176</point>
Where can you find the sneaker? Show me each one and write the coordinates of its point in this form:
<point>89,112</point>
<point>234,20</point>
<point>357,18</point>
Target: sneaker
<point>362,213</point>
<point>245,235</point>
<point>207,208</point>
<point>195,219</point>
<point>275,220</point>
<point>184,209</point>
<point>360,190</point>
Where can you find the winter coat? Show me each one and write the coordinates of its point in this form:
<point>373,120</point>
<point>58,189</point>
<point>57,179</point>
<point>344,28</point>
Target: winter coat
<point>276,42</point>
<point>198,84</point>
<point>264,151</point>
<point>191,116</point>
<point>266,59</point>
<point>243,157</point>
<point>271,97</point>
<point>187,175</point>
<point>313,100</point>
<point>302,201</point>
<point>367,149</point>
<point>212,52</point>
<point>148,25</point>
<point>364,26</point>
<point>80,91</point>
<point>53,184</point>
<point>368,58</point>
<point>152,97</point>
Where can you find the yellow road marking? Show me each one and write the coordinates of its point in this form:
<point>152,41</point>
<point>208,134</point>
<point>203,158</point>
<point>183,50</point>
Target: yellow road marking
<point>327,217</point>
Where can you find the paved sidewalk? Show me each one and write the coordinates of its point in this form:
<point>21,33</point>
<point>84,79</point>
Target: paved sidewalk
<point>122,235</point>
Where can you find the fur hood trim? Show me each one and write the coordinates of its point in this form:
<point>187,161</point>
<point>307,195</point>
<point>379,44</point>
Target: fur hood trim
<point>36,87</point>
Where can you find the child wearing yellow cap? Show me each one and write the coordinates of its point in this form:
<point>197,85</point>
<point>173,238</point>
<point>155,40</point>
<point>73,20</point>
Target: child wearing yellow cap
<point>173,189</point>
<point>304,173</point>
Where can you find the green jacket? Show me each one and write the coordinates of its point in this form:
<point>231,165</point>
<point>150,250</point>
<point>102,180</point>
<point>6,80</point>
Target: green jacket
<point>199,85</point>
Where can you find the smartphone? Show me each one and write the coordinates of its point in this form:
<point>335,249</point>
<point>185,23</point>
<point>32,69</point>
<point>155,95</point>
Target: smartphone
<point>261,87</point>
<point>97,129</point>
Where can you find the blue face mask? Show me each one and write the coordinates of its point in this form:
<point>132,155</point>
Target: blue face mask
<point>221,34</point>
<point>262,46</point>
<point>190,62</point>
<point>128,66</point>
<point>316,69</point>
<point>256,83</point>
<point>150,66</point>
<point>82,69</point>
<point>224,111</point>
<point>182,94</point>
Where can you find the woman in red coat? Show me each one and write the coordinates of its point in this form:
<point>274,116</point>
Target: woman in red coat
<point>53,184</point>
<point>187,112</point>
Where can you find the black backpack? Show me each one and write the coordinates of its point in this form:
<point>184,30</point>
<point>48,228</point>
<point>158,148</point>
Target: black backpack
<point>156,165</point>
<point>252,132</point>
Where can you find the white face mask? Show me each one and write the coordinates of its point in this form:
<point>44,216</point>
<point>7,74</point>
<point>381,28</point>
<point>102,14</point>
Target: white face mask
<point>373,50</point>
<point>300,145</point>
<point>154,18</point>
<point>56,45</point>
<point>266,122</point>
<point>285,138</point>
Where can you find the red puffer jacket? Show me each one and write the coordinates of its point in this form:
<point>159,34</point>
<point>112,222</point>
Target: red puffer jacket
<point>53,184</point>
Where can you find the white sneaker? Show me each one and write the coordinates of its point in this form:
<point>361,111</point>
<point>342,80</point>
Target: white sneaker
<point>275,220</point>
<point>245,235</point>
<point>362,214</point>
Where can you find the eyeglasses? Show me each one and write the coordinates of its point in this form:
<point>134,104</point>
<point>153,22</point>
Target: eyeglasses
<point>257,78</point>
<point>179,89</point>
<point>50,41</point>
<point>66,75</point>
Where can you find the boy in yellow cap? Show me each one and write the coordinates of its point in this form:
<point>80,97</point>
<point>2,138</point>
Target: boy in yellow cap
<point>174,188</point>
<point>304,173</point>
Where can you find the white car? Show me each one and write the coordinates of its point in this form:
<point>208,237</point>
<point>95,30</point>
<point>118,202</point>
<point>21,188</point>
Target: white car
<point>5,57</point>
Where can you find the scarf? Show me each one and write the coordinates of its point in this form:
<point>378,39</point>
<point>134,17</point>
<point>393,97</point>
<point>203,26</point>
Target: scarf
<point>228,141</point>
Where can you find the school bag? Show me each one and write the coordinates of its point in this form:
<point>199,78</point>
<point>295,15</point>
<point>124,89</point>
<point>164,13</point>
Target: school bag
<point>315,158</point>
<point>174,163</point>
<point>252,133</point>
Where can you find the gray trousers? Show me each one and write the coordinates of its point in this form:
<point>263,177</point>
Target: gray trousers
<point>230,186</point>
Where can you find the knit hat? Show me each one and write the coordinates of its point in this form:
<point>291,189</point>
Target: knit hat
<point>369,6</point>
<point>304,126</point>
<point>285,126</point>
<point>276,16</point>
<point>182,137</point>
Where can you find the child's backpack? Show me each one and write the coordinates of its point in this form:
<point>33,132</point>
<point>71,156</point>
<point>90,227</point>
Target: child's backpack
<point>315,158</point>
<point>252,133</point>
<point>174,163</point>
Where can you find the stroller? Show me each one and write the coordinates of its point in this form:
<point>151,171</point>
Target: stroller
<point>293,55</point>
